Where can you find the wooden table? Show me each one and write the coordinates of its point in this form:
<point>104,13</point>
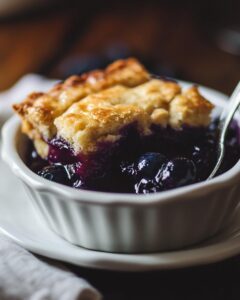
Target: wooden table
<point>173,41</point>
<point>179,39</point>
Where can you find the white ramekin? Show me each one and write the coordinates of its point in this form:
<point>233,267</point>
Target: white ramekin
<point>126,223</point>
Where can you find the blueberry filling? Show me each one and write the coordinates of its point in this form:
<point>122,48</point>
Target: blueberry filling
<point>165,160</point>
<point>57,173</point>
<point>149,164</point>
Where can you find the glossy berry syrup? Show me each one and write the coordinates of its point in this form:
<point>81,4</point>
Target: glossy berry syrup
<point>165,160</point>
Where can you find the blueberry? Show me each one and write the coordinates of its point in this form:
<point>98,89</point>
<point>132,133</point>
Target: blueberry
<point>233,135</point>
<point>149,164</point>
<point>34,154</point>
<point>198,154</point>
<point>213,127</point>
<point>128,169</point>
<point>78,184</point>
<point>176,172</point>
<point>57,173</point>
<point>204,157</point>
<point>36,163</point>
<point>146,186</point>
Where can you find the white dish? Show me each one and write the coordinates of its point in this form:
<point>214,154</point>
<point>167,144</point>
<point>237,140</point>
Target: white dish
<point>19,221</point>
<point>128,223</point>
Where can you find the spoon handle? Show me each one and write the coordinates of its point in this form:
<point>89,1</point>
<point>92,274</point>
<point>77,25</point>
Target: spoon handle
<point>224,122</point>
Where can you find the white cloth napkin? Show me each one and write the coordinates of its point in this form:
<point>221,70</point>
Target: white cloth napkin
<point>22,275</point>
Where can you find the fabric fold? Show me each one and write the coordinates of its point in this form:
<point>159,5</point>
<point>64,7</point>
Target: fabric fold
<point>25,277</point>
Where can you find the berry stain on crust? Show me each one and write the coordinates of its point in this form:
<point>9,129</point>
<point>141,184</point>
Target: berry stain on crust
<point>165,160</point>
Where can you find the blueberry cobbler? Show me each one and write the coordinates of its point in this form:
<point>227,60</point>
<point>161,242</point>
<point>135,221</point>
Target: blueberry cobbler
<point>121,130</point>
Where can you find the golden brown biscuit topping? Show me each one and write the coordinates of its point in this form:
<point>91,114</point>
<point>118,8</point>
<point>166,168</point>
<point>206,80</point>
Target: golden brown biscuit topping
<point>94,107</point>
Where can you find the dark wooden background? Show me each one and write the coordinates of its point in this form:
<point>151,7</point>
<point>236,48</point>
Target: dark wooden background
<point>173,38</point>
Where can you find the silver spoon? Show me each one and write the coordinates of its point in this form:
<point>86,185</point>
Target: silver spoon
<point>224,122</point>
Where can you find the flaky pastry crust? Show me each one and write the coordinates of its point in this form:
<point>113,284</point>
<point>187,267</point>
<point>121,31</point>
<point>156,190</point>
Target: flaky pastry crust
<point>40,109</point>
<point>190,108</point>
<point>94,107</point>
